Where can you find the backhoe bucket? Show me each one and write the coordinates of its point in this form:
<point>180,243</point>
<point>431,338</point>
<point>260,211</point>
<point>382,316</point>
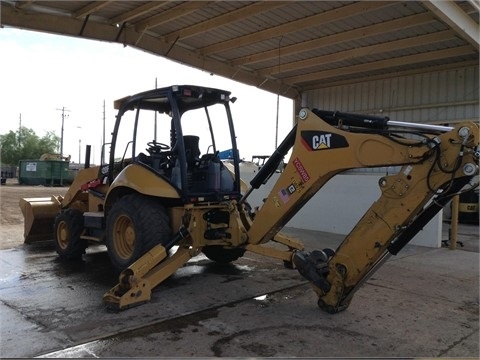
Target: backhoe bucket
<point>39,216</point>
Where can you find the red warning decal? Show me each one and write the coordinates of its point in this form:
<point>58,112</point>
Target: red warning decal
<point>301,170</point>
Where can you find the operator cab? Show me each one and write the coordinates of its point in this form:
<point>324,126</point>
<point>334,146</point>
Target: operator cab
<point>177,133</point>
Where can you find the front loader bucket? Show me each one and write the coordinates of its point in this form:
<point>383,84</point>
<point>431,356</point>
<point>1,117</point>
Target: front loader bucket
<point>39,216</point>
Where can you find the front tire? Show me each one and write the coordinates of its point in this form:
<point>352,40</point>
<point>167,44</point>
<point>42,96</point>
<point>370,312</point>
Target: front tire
<point>135,224</point>
<point>67,230</point>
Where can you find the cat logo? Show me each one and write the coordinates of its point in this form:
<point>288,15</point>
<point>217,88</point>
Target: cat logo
<point>321,140</point>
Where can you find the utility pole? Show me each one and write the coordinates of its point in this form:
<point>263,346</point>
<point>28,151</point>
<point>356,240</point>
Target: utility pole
<point>63,110</point>
<point>20,130</point>
<point>103,140</point>
<point>155,125</point>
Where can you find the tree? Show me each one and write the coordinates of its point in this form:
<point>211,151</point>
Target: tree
<point>24,144</point>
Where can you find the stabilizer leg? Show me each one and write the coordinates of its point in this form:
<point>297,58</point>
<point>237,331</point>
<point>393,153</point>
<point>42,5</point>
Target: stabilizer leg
<point>134,288</point>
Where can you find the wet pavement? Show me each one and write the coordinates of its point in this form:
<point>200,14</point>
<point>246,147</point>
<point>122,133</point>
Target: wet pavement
<point>423,303</point>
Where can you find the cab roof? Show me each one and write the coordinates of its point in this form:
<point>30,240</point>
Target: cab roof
<point>187,97</point>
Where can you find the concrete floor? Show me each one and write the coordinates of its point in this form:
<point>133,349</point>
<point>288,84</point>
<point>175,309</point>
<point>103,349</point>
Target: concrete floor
<point>422,303</point>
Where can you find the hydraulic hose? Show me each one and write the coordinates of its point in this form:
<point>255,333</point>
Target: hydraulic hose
<point>272,163</point>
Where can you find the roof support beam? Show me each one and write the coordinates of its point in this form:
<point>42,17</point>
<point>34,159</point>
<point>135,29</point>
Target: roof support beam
<point>367,78</point>
<point>381,64</point>
<point>358,53</point>
<point>359,33</point>
<point>235,15</point>
<point>457,19</point>
<point>139,11</point>
<point>170,14</point>
<point>23,4</point>
<point>89,9</point>
<point>293,26</point>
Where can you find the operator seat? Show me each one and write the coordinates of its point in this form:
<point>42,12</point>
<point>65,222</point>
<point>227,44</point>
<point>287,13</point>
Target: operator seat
<point>192,150</point>
<point>192,154</point>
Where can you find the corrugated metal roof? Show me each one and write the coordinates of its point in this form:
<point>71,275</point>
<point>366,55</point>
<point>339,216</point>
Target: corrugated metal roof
<point>288,45</point>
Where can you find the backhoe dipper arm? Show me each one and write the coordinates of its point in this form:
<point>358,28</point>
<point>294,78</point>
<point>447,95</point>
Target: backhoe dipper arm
<point>436,164</point>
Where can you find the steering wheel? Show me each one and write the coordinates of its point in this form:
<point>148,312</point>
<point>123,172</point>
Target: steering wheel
<point>156,147</point>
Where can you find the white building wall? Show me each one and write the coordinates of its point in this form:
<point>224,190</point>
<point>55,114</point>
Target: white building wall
<point>340,204</point>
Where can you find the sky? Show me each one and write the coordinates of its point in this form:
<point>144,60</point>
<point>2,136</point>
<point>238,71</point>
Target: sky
<point>42,73</point>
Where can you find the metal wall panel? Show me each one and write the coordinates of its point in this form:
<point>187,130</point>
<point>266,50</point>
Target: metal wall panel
<point>441,97</point>
<point>438,97</point>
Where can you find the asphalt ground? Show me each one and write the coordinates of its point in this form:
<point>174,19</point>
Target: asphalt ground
<point>423,302</point>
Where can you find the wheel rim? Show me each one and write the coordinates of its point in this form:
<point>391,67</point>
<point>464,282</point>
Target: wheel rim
<point>124,237</point>
<point>62,235</point>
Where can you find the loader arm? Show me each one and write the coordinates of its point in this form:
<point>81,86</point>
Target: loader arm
<point>39,213</point>
<point>437,164</point>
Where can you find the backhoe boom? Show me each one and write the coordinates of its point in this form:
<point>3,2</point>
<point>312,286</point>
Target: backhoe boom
<point>436,164</point>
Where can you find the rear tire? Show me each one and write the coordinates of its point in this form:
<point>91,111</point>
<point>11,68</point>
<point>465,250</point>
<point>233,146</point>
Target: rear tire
<point>67,230</point>
<point>222,255</point>
<point>135,224</point>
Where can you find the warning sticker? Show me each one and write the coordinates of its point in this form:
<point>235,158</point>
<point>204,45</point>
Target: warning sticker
<point>301,170</point>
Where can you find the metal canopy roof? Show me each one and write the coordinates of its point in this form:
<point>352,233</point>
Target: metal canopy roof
<point>285,47</point>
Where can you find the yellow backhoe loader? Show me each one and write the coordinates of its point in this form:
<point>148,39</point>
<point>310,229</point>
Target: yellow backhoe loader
<point>156,210</point>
